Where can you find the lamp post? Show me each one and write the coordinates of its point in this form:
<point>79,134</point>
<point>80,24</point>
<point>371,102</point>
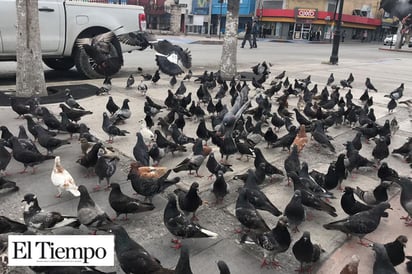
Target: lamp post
<point>209,24</point>
<point>336,37</point>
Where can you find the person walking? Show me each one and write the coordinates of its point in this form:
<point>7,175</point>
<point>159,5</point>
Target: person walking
<point>248,31</point>
<point>255,31</point>
<point>364,36</point>
<point>343,35</point>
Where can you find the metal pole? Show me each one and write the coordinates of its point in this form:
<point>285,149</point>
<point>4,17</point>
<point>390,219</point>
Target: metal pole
<point>220,19</point>
<point>336,37</point>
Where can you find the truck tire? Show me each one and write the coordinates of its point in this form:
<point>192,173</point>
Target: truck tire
<point>84,64</point>
<point>59,63</point>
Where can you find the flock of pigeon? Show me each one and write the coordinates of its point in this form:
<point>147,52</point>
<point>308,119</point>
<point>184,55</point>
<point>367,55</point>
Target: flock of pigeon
<point>236,120</point>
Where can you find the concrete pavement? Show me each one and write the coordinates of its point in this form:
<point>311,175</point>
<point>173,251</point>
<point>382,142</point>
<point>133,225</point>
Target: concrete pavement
<point>386,69</point>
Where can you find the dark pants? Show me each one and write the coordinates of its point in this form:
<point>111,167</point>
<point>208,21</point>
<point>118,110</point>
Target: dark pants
<point>254,40</point>
<point>247,37</point>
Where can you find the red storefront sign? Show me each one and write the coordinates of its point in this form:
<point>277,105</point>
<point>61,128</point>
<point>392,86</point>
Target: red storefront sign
<point>306,13</point>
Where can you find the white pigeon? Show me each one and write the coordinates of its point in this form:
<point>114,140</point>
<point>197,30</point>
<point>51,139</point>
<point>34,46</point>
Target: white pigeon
<point>148,135</point>
<point>61,178</point>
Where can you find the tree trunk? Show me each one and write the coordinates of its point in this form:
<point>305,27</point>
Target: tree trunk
<point>228,65</point>
<point>30,75</point>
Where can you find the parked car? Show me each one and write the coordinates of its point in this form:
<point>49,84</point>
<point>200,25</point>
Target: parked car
<point>62,22</point>
<point>390,40</point>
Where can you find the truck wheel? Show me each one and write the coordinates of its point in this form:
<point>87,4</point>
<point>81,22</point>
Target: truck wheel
<point>84,64</point>
<point>59,63</point>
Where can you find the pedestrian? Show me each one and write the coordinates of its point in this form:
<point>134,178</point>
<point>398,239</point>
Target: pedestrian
<point>255,32</point>
<point>343,35</point>
<point>248,31</point>
<point>364,36</point>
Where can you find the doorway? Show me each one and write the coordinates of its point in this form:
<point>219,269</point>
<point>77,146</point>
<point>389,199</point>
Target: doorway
<point>302,31</point>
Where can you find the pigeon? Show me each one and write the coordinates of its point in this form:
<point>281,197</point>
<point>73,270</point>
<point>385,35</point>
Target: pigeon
<point>223,268</point>
<point>214,166</point>
<point>306,252</point>
<point>50,120</point>
<point>70,127</point>
<point>105,167</point>
<point>294,211</point>
<point>171,59</point>
<point>179,225</point>
<point>219,187</point>
<point>129,81</point>
<point>48,142</point>
<point>349,204</point>
<point>89,160</point>
<point>123,204</point>
<point>286,140</point>
<point>292,162</point>
<point>356,161</point>
<point>35,217</point>
<point>111,129</point>
<point>248,216</point>
<point>74,114</point>
<point>381,150</point>
<point>409,264</point>
<point>188,75</point>
<point>189,201</point>
<point>319,135</point>
<point>183,265</point>
<point>111,106</point>
<point>147,134</point>
<point>352,266</point>
<point>406,198</point>
<point>26,157</point>
<point>395,250</point>
<point>149,181</point>
<point>139,39</point>
<point>385,173</point>
<point>270,169</point>
<point>85,133</point>
<point>382,264</point>
<point>122,114</point>
<point>140,151</point>
<point>369,84</point>
<point>274,242</point>
<point>361,223</point>
<point>7,185</point>
<point>89,213</point>
<point>62,179</point>
<point>132,257</point>
<point>7,225</point>
<point>18,107</point>
<point>194,161</point>
<point>372,197</point>
<point>256,197</point>
<point>85,145</point>
<point>331,79</point>
<point>397,93</point>
<point>70,101</point>
<point>5,158</point>
<point>392,105</point>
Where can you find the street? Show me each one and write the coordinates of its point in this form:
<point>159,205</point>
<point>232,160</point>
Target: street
<point>387,71</point>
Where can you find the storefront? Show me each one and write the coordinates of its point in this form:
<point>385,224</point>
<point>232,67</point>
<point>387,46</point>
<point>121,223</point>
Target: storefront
<point>315,25</point>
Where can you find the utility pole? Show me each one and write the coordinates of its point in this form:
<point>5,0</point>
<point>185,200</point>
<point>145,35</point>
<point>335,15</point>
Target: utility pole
<point>220,18</point>
<point>336,37</point>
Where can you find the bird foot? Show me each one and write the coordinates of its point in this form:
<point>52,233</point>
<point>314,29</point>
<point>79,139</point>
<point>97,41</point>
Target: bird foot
<point>295,229</point>
<point>107,188</point>
<point>58,195</point>
<point>238,231</point>
<point>406,218</point>
<point>276,264</point>
<point>210,176</point>
<point>23,171</point>
<point>199,176</point>
<point>194,219</point>
<point>362,243</point>
<point>264,263</point>
<point>110,141</point>
<point>177,243</point>
<point>96,188</point>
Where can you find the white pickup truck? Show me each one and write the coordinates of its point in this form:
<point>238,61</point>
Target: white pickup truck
<point>62,22</point>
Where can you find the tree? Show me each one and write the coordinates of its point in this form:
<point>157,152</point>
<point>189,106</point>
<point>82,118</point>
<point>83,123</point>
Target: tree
<point>30,75</point>
<point>228,65</point>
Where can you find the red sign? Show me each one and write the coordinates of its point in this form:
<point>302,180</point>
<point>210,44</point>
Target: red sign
<point>306,13</point>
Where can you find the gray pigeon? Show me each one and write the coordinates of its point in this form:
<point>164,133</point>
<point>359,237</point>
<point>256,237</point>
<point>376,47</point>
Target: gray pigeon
<point>111,129</point>
<point>306,252</point>
<point>406,198</point>
<point>90,214</point>
<point>105,167</point>
<point>183,265</point>
<point>361,223</point>
<point>382,263</point>
<point>35,217</point>
<point>294,211</point>
<point>140,151</point>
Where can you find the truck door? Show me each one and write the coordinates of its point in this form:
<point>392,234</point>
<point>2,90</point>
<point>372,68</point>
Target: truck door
<point>51,16</point>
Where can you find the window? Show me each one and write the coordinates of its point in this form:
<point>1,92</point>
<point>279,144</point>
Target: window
<point>272,4</point>
<point>331,6</point>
